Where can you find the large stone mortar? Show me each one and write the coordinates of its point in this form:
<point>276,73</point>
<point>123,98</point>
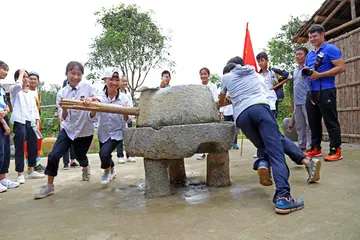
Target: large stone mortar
<point>175,123</point>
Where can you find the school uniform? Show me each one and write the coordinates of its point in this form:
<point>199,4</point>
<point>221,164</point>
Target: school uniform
<point>77,128</point>
<point>228,116</point>
<point>4,140</point>
<point>24,114</point>
<point>110,130</point>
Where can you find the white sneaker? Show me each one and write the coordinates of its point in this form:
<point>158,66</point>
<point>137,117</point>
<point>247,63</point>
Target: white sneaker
<point>21,179</point>
<point>255,155</point>
<point>113,174</point>
<point>131,159</point>
<point>9,184</point>
<point>106,178</point>
<point>121,160</point>
<point>86,173</point>
<point>2,188</point>
<point>36,175</point>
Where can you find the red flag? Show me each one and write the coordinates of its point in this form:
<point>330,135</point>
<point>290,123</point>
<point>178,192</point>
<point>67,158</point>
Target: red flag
<point>248,54</point>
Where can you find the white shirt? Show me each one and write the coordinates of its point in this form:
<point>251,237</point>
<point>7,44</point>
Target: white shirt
<point>127,100</point>
<point>270,97</point>
<point>23,105</point>
<point>213,90</point>
<point>77,122</point>
<point>110,125</point>
<point>227,110</point>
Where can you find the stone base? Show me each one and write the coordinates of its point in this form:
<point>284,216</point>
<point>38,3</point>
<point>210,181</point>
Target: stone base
<point>218,171</point>
<point>181,141</point>
<point>157,182</point>
<point>177,172</point>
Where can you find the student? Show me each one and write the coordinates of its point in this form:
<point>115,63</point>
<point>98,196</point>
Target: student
<point>77,128</point>
<point>4,135</point>
<point>204,76</point>
<point>109,127</point>
<point>34,80</point>
<point>165,79</point>
<point>69,159</point>
<point>126,100</point>
<point>300,92</point>
<point>255,119</point>
<point>24,117</point>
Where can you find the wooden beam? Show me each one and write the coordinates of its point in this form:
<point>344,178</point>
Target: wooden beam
<point>333,12</point>
<point>301,40</point>
<point>353,9</point>
<point>320,19</point>
<point>345,25</point>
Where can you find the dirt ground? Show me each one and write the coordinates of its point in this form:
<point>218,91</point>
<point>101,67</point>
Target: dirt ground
<point>86,210</point>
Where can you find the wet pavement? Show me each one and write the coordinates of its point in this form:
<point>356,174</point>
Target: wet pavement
<point>86,210</point>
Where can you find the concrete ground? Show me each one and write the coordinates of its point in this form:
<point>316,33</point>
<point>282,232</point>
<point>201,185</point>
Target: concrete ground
<point>85,210</point>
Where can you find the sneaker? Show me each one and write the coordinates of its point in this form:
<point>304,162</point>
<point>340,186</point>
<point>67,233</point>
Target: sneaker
<point>106,178</point>
<point>2,188</point>
<point>334,155</point>
<point>113,174</point>
<point>121,160</point>
<point>131,159</point>
<point>36,175</point>
<point>86,173</point>
<point>9,184</point>
<point>39,168</point>
<point>74,165</point>
<point>315,152</point>
<point>235,146</point>
<point>66,166</point>
<point>287,205</point>
<point>264,173</point>
<point>21,179</point>
<point>45,191</point>
<point>313,169</point>
<point>255,155</point>
<point>201,157</point>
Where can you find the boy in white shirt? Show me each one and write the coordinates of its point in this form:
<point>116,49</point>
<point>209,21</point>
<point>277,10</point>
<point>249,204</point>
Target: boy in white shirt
<point>24,116</point>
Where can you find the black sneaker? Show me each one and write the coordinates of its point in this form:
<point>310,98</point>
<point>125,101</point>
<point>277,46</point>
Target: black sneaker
<point>66,166</point>
<point>39,168</point>
<point>74,164</point>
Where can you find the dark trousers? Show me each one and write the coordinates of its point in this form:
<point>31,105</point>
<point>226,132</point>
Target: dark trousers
<point>259,125</point>
<point>71,152</point>
<point>22,133</point>
<point>4,149</point>
<point>106,149</point>
<point>231,119</point>
<point>325,108</point>
<point>61,147</point>
<point>290,149</point>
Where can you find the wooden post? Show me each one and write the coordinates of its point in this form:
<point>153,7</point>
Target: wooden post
<point>345,25</point>
<point>353,9</point>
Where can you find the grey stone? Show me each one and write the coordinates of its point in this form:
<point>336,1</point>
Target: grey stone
<point>157,183</point>
<point>181,141</point>
<point>176,105</point>
<point>218,170</point>
<point>292,134</point>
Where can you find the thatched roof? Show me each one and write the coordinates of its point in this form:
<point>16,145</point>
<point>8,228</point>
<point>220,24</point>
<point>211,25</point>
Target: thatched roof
<point>337,17</point>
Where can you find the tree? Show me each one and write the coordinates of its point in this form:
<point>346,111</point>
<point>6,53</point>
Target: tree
<point>281,52</point>
<point>215,79</point>
<point>130,40</point>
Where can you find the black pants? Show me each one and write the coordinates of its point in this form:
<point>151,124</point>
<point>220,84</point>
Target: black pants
<point>71,152</point>
<point>4,149</point>
<point>325,107</point>
<point>22,133</point>
<point>106,149</point>
<point>61,147</point>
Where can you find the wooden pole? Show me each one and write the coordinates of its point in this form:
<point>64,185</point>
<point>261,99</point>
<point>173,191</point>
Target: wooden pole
<point>353,9</point>
<point>99,107</point>
<point>345,25</point>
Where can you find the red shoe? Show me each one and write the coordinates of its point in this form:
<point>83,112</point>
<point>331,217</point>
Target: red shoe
<point>314,153</point>
<point>334,155</point>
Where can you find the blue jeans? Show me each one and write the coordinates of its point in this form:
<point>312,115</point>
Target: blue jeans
<point>61,147</point>
<point>259,125</point>
<point>106,149</point>
<point>4,149</point>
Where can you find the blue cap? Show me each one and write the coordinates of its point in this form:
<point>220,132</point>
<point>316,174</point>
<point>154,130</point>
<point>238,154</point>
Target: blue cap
<point>34,74</point>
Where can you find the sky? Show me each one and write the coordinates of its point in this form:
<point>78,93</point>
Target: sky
<point>43,36</point>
